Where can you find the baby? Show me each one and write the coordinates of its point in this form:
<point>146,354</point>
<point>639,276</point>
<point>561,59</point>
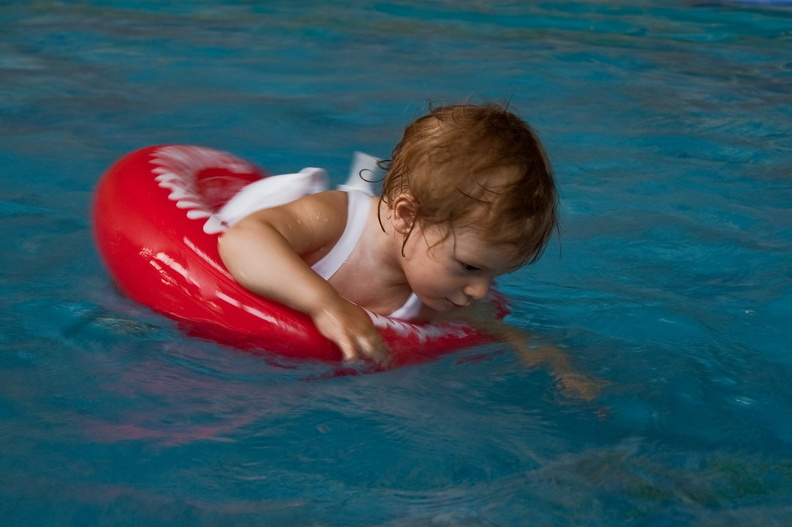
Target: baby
<point>468,195</point>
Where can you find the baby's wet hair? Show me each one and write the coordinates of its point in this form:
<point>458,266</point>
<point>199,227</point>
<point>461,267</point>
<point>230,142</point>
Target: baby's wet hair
<point>480,167</point>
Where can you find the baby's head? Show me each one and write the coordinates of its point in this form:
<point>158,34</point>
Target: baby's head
<point>477,167</point>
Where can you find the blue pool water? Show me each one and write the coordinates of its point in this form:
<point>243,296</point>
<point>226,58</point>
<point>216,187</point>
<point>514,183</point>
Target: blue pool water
<point>668,123</point>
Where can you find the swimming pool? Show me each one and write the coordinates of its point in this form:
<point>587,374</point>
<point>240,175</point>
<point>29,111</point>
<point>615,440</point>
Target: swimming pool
<point>669,127</point>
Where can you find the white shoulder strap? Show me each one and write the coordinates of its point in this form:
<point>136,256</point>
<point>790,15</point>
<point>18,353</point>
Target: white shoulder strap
<point>359,204</point>
<point>363,166</point>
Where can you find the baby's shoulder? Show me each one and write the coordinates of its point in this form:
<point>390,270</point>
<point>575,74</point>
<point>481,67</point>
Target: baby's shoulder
<point>323,205</point>
<point>320,216</point>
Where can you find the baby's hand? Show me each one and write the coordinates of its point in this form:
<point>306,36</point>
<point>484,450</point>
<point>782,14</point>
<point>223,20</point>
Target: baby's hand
<point>574,384</point>
<point>579,386</point>
<point>350,328</point>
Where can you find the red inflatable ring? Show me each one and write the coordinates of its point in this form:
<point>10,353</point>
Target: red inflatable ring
<point>156,231</point>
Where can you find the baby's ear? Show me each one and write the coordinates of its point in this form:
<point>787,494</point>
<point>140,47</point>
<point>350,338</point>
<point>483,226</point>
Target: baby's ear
<point>403,214</point>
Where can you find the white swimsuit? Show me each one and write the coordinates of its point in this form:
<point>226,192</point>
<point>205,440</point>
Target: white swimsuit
<point>278,190</point>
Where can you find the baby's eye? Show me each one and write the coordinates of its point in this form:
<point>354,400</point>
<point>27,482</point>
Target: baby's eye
<point>468,268</point>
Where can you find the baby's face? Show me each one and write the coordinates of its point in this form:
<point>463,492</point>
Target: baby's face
<point>448,270</point>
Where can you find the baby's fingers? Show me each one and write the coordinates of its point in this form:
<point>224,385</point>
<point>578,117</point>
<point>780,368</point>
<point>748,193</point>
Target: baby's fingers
<point>356,347</point>
<point>349,351</point>
<point>374,349</point>
<point>352,331</point>
<point>579,386</point>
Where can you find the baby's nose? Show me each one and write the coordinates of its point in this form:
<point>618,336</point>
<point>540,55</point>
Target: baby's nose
<point>478,289</point>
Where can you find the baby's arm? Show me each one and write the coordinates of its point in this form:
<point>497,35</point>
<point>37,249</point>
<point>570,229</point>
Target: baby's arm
<point>264,252</point>
<point>575,384</point>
